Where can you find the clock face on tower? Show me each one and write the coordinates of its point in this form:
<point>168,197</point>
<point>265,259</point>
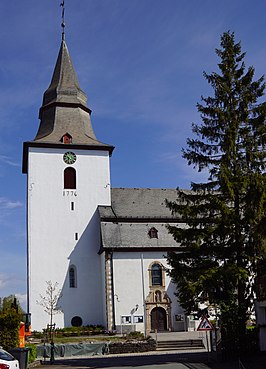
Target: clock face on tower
<point>69,157</point>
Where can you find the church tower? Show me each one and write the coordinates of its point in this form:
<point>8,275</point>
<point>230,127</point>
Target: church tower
<point>68,177</point>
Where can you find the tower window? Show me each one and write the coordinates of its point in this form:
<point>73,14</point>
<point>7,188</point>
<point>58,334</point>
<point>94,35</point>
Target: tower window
<point>72,277</point>
<point>156,275</point>
<point>67,138</point>
<point>70,178</point>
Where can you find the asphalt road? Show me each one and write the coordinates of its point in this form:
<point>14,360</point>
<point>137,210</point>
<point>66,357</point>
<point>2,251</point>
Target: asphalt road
<point>166,361</point>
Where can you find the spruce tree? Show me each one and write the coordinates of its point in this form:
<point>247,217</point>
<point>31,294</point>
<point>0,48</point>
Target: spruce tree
<point>222,245</point>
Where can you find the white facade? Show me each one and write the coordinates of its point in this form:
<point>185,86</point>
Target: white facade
<point>100,245</point>
<point>64,231</point>
<point>260,308</point>
<point>132,287</point>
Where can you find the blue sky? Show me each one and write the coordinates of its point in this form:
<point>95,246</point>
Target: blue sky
<point>140,63</point>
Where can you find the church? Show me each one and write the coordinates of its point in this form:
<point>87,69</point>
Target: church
<point>103,247</point>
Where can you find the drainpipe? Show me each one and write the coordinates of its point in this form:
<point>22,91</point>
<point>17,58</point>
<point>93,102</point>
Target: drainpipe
<point>143,298</point>
<point>112,288</point>
<point>27,242</point>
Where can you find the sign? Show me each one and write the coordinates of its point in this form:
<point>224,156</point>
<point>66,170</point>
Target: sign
<point>205,325</point>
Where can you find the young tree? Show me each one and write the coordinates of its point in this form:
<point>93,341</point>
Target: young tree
<point>50,300</point>
<point>222,247</point>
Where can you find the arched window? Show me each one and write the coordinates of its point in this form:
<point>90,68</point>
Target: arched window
<point>72,277</point>
<point>70,178</point>
<point>156,275</point>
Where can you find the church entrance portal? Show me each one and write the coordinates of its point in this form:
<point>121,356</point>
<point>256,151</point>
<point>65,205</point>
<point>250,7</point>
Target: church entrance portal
<point>158,319</point>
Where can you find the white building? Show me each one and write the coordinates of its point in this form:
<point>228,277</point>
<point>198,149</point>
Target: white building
<point>260,309</point>
<point>104,247</point>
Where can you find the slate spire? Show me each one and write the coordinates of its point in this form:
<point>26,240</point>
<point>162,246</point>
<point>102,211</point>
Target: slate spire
<point>64,109</point>
<point>64,86</point>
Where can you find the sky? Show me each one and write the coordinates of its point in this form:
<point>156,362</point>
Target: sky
<point>141,64</point>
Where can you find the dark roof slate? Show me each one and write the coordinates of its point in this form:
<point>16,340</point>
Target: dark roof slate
<point>135,235</point>
<point>64,86</point>
<point>139,203</point>
<point>133,212</point>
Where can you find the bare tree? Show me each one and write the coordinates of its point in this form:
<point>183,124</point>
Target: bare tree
<point>49,301</point>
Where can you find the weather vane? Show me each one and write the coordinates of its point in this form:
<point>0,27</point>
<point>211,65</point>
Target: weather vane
<point>63,19</point>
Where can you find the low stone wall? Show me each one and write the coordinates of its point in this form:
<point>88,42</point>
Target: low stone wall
<point>132,346</point>
<point>97,348</point>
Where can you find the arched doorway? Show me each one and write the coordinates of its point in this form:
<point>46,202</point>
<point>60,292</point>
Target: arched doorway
<point>158,319</point>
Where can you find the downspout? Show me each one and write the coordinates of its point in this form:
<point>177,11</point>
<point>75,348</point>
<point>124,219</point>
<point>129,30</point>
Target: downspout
<point>112,287</point>
<point>143,298</point>
<point>27,245</point>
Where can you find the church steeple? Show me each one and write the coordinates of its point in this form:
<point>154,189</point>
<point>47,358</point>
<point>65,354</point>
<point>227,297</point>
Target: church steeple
<point>64,109</point>
<point>64,112</point>
<point>64,86</point>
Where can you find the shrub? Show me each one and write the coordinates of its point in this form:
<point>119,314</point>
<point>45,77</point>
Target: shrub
<point>9,328</point>
<point>32,353</point>
<point>135,335</point>
<point>73,331</point>
<point>79,331</point>
<point>36,334</point>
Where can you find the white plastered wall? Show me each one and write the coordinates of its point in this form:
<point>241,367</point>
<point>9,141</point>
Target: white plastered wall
<point>53,228</point>
<point>260,308</point>
<point>129,286</point>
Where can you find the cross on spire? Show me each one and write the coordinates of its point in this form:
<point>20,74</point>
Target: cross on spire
<point>63,19</point>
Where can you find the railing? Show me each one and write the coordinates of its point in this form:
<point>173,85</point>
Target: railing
<point>240,364</point>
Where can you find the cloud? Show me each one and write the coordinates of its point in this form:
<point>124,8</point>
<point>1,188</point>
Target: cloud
<point>11,280</point>
<point>189,174</point>
<point>4,281</point>
<point>9,284</point>
<point>22,298</point>
<point>8,204</point>
<point>13,204</point>
<point>6,160</point>
<point>167,157</point>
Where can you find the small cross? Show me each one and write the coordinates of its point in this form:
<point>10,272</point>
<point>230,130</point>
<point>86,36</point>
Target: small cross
<point>63,19</point>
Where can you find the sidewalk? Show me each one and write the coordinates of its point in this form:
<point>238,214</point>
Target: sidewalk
<point>132,360</point>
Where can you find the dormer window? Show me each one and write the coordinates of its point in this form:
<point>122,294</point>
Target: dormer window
<point>67,138</point>
<point>153,233</point>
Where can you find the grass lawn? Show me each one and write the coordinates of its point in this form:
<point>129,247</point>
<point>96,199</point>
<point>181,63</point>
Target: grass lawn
<point>103,338</point>
<point>85,339</point>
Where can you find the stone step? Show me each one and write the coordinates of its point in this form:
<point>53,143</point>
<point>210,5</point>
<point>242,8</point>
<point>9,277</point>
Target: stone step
<point>180,344</point>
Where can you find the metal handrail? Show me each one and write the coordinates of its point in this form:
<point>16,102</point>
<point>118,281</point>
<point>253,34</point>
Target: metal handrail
<point>240,364</point>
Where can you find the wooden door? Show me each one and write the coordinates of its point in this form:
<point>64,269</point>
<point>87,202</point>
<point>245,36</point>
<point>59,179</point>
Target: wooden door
<point>158,319</point>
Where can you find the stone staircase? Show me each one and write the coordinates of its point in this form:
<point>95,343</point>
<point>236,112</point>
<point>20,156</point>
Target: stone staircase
<point>180,341</point>
<point>184,344</point>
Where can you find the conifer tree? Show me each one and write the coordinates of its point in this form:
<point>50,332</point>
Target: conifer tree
<point>222,245</point>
